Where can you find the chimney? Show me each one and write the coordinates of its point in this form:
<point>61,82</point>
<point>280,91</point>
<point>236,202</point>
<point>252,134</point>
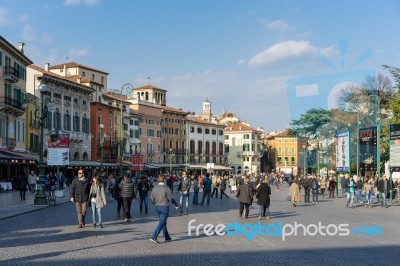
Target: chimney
<point>65,70</point>
<point>21,47</point>
<point>78,80</point>
<point>46,66</point>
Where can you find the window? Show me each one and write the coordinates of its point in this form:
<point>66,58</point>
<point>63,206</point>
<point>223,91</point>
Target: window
<point>83,74</point>
<point>191,129</point>
<point>214,131</point>
<point>246,136</point>
<point>102,80</point>
<point>92,77</point>
<point>67,98</point>
<point>67,120</point>
<point>76,122</point>
<point>57,119</point>
<point>199,130</point>
<point>84,103</point>
<point>207,131</point>
<point>57,95</point>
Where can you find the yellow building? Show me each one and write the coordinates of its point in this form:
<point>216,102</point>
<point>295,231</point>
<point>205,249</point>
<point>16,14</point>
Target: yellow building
<point>288,153</point>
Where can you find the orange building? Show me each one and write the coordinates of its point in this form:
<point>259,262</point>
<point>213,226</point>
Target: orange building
<point>287,153</point>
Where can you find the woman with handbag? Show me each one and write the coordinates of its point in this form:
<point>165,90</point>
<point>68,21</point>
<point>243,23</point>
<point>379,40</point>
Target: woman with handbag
<point>294,192</point>
<point>97,199</point>
<point>263,199</point>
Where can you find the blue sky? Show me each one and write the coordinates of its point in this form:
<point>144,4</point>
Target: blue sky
<point>238,54</point>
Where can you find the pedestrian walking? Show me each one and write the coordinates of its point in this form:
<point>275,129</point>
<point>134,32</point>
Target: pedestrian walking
<point>207,184</point>
<point>350,189</point>
<point>97,200</point>
<point>307,188</point>
<point>143,189</point>
<point>196,188</point>
<point>128,194</point>
<point>332,186</point>
<point>384,187</point>
<point>314,189</point>
<point>215,186</point>
<point>294,192</point>
<point>118,197</point>
<point>161,197</point>
<point>263,199</point>
<point>245,196</point>
<point>32,182</point>
<point>222,187</point>
<point>323,187</point>
<point>80,189</point>
<point>232,184</point>
<point>22,185</point>
<point>184,189</point>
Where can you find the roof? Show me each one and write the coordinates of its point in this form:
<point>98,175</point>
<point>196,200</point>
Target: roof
<point>149,87</point>
<point>116,96</point>
<point>283,134</point>
<point>74,64</point>
<point>48,73</point>
<point>240,126</point>
<point>16,51</point>
<point>199,120</point>
<point>172,110</point>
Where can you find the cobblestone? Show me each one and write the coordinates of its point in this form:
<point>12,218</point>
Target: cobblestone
<point>50,236</point>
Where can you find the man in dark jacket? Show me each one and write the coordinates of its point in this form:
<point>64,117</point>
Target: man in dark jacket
<point>22,185</point>
<point>314,189</point>
<point>207,184</point>
<point>143,189</point>
<point>184,189</point>
<point>127,193</point>
<point>383,187</point>
<point>263,199</point>
<point>307,188</point>
<point>245,196</point>
<point>80,189</point>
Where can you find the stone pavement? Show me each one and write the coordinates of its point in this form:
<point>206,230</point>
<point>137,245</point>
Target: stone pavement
<point>50,236</point>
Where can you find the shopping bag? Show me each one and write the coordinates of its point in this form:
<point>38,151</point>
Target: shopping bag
<point>298,198</point>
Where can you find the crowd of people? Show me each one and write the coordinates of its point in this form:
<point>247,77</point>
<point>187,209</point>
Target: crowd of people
<point>93,192</point>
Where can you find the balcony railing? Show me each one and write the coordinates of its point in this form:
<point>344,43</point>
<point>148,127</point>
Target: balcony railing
<point>13,103</point>
<point>10,74</point>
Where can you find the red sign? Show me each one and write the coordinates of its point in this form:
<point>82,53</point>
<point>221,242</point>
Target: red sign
<point>137,162</point>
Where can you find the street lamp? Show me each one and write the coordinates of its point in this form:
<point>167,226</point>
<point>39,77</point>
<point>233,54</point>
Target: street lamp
<point>102,136</point>
<point>170,156</point>
<point>41,111</point>
<point>304,160</point>
<point>137,153</point>
<point>128,88</point>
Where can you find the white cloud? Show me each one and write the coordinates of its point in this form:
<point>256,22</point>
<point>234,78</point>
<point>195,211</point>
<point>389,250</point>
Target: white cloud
<point>76,53</point>
<point>4,20</point>
<point>287,52</point>
<point>241,62</point>
<point>78,2</point>
<point>277,25</point>
<point>28,33</point>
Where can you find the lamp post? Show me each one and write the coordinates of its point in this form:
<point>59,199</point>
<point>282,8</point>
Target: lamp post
<point>41,112</point>
<point>101,149</point>
<point>128,88</point>
<point>137,153</point>
<point>304,160</point>
<point>170,156</point>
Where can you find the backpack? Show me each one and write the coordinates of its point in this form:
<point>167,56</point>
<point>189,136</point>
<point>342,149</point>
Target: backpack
<point>314,185</point>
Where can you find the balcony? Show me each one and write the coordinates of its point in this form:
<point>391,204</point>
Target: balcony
<point>78,136</point>
<point>8,143</point>
<point>10,74</point>
<point>12,106</point>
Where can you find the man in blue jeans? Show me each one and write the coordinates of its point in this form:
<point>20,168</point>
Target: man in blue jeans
<point>161,197</point>
<point>143,188</point>
<point>207,183</point>
<point>184,188</point>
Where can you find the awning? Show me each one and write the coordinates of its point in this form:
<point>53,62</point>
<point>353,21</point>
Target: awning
<point>151,166</point>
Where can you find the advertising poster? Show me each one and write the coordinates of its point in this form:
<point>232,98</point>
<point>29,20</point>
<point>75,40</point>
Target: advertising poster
<point>394,142</point>
<point>367,148</point>
<point>137,162</point>
<point>58,149</point>
<point>342,152</point>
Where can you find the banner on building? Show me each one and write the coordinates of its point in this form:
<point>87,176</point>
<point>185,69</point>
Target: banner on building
<point>210,168</point>
<point>137,162</point>
<point>394,141</point>
<point>342,152</point>
<point>367,141</point>
<point>58,149</point>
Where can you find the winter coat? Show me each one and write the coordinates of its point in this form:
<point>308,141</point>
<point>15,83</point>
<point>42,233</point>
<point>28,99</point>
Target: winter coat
<point>294,191</point>
<point>314,186</point>
<point>207,184</point>
<point>245,194</point>
<point>323,184</point>
<point>263,192</point>
<point>22,182</point>
<point>80,190</point>
<point>100,195</point>
<point>127,188</point>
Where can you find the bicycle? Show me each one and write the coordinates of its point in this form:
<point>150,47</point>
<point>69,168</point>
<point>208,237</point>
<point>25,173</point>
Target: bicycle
<point>51,196</point>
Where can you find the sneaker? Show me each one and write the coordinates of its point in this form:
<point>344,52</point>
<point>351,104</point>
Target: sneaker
<point>186,213</point>
<point>94,225</point>
<point>101,226</point>
<point>80,226</point>
<point>155,241</point>
<point>268,217</point>
<point>259,217</point>
<point>168,240</point>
